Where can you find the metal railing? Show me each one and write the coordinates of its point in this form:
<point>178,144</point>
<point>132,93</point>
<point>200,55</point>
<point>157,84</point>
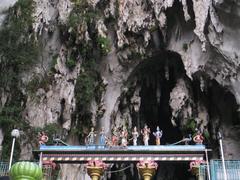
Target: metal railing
<point>232,169</point>
<point>4,168</point>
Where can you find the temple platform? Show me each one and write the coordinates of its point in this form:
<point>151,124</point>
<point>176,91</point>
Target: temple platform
<point>80,154</point>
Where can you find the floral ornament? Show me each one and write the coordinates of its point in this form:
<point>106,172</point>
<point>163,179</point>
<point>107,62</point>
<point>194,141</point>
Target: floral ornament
<point>147,164</point>
<point>96,163</point>
<point>196,164</point>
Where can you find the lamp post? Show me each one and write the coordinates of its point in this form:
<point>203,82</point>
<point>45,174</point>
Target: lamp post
<point>222,155</point>
<point>15,134</point>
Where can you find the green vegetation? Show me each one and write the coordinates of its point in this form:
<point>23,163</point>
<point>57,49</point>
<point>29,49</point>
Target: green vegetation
<point>191,128</point>
<point>53,63</point>
<point>38,82</point>
<point>86,85</point>
<point>18,49</point>
<point>89,84</point>
<point>18,52</point>
<point>191,125</point>
<point>104,45</point>
<point>185,47</point>
<point>83,18</point>
<point>71,63</point>
<point>10,118</point>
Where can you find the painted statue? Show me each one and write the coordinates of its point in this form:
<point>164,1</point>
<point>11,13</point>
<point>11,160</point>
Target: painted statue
<point>42,138</point>
<point>115,136</point>
<point>145,132</point>
<point>135,135</point>
<point>198,138</point>
<point>91,136</point>
<point>102,136</point>
<point>123,135</point>
<point>158,135</point>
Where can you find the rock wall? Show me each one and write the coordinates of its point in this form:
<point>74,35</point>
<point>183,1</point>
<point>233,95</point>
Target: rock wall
<point>121,35</point>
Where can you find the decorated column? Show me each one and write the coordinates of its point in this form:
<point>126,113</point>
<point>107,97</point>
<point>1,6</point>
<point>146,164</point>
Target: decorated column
<point>95,169</point>
<point>147,169</point>
<point>195,168</point>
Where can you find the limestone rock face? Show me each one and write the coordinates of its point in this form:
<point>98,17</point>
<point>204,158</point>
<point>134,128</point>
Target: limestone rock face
<point>58,100</point>
<point>181,102</point>
<point>204,33</point>
<point>5,4</point>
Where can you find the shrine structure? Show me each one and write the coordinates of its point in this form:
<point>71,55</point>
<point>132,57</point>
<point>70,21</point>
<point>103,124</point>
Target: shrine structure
<point>97,157</point>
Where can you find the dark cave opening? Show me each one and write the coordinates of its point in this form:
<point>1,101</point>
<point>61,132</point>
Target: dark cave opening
<point>157,77</point>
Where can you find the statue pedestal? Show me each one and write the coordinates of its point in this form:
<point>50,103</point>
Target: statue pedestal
<point>195,171</point>
<point>147,173</point>
<point>147,169</point>
<point>95,172</point>
<point>95,169</point>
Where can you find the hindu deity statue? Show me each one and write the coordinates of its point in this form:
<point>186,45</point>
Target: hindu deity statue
<point>198,138</point>
<point>135,135</point>
<point>102,136</point>
<point>42,138</point>
<point>158,135</point>
<point>123,135</point>
<point>115,136</point>
<point>145,132</point>
<point>91,136</point>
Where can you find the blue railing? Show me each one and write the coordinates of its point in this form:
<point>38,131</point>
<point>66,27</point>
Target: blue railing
<point>130,148</point>
<point>232,169</point>
<point>4,168</point>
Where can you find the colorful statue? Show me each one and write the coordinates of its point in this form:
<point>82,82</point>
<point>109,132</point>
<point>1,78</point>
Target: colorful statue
<point>135,135</point>
<point>198,138</point>
<point>158,135</point>
<point>145,132</point>
<point>103,137</point>
<point>123,136</point>
<point>42,138</point>
<point>115,136</point>
<point>91,136</point>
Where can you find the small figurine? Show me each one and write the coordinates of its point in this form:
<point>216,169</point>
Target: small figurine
<point>42,138</point>
<point>198,138</point>
<point>145,132</point>
<point>91,136</point>
<point>115,136</point>
<point>102,136</point>
<point>124,135</point>
<point>158,135</point>
<point>135,135</point>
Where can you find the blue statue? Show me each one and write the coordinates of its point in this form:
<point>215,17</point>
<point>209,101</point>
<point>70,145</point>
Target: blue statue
<point>102,137</point>
<point>158,135</point>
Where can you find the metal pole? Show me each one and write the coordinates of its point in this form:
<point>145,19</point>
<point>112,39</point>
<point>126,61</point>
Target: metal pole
<point>40,160</point>
<point>208,169</point>
<point>222,156</point>
<point>11,156</point>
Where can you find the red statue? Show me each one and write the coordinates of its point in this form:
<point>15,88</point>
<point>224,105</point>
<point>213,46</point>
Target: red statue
<point>124,135</point>
<point>42,138</point>
<point>198,138</point>
<point>115,136</point>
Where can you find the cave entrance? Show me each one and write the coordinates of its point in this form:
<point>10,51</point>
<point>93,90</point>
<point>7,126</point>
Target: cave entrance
<point>156,78</point>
